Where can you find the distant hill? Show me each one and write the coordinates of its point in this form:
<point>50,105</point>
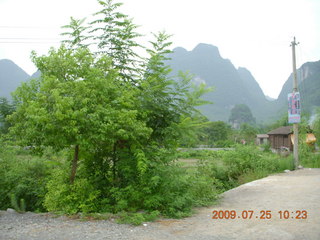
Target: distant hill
<point>11,75</point>
<point>308,76</point>
<point>271,99</point>
<point>231,86</point>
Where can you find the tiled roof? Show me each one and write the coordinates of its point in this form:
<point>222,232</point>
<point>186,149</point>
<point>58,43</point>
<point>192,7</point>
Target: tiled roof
<point>281,131</point>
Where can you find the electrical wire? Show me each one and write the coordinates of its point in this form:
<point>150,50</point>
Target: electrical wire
<point>29,27</point>
<point>28,40</point>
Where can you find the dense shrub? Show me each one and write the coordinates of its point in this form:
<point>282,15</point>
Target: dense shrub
<point>308,157</point>
<point>78,197</point>
<point>167,189</point>
<point>23,179</point>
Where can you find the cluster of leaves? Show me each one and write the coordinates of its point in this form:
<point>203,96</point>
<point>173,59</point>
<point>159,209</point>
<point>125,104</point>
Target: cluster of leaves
<point>6,108</point>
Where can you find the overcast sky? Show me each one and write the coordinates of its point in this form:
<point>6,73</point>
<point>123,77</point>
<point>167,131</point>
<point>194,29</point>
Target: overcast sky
<point>254,34</point>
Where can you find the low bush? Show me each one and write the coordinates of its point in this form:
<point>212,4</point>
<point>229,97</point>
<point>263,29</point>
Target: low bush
<point>308,157</point>
<point>23,179</point>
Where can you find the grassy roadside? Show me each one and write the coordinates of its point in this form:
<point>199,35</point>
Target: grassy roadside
<point>205,174</point>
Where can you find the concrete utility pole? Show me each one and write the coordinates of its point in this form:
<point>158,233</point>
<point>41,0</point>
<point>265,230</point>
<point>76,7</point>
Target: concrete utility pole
<point>295,89</point>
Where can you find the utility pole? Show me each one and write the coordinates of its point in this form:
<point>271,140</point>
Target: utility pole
<point>295,89</point>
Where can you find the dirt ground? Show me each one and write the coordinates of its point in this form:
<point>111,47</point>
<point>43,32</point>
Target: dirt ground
<point>296,194</point>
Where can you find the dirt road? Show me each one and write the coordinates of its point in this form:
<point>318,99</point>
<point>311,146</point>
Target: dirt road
<point>294,191</point>
<point>256,204</point>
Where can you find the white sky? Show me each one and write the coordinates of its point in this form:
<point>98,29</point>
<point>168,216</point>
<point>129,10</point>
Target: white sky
<point>254,34</point>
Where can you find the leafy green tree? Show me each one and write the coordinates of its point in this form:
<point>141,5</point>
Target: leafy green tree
<point>6,108</point>
<point>241,113</point>
<point>248,133</point>
<point>169,102</point>
<point>217,132</point>
<point>77,103</point>
<point>122,136</point>
<point>115,35</point>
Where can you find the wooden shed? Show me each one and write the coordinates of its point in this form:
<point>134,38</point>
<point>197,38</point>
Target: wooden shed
<point>281,137</point>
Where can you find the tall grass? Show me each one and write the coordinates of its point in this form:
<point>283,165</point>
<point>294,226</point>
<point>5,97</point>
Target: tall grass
<point>234,167</point>
<point>23,179</point>
<point>308,157</point>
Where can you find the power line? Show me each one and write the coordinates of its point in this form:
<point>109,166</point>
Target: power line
<point>24,38</point>
<point>27,42</point>
<point>29,27</point>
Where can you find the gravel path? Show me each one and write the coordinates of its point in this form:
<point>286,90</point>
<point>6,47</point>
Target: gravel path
<point>293,191</point>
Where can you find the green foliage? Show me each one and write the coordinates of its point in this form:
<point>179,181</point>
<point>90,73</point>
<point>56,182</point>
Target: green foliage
<point>307,155</point>
<point>6,108</point>
<point>136,218</point>
<point>64,197</point>
<point>77,102</point>
<point>115,35</point>
<point>241,113</point>
<point>228,169</point>
<point>316,125</point>
<point>248,133</point>
<point>23,179</point>
<point>266,147</point>
<point>126,134</point>
<point>169,103</point>
<point>119,128</point>
<point>77,35</point>
<point>216,134</point>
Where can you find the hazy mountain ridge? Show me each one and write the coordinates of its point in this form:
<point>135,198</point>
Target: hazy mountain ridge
<point>231,86</point>
<point>238,86</point>
<point>308,76</point>
<point>11,76</point>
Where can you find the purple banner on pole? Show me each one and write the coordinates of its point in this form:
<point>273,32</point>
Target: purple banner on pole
<point>294,108</point>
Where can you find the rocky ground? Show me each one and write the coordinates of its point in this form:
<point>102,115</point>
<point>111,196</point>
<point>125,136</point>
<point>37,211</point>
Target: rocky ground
<point>293,192</point>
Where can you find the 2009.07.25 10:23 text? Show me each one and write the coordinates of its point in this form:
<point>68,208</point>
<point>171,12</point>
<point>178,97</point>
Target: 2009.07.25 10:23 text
<point>263,214</point>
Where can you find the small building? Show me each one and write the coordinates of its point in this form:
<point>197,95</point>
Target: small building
<point>262,139</point>
<point>281,137</point>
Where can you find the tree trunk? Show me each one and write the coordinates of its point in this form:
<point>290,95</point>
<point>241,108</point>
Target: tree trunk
<point>74,164</point>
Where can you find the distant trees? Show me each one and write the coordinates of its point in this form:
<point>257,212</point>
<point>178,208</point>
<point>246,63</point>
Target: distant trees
<point>216,134</point>
<point>6,108</point>
<point>241,113</point>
